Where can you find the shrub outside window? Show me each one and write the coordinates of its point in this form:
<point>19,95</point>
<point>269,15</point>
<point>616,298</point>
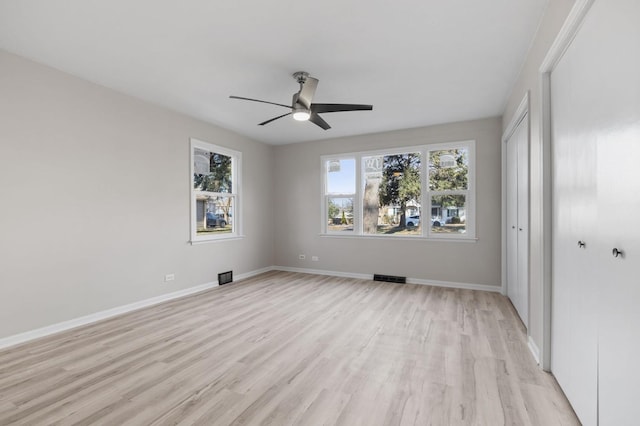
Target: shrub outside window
<point>215,189</point>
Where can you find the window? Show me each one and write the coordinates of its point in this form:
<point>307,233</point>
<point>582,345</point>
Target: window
<point>340,194</point>
<point>215,192</point>
<point>448,190</point>
<point>391,194</point>
<point>424,192</point>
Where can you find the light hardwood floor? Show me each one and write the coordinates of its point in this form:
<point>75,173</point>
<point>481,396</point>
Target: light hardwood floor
<point>288,348</point>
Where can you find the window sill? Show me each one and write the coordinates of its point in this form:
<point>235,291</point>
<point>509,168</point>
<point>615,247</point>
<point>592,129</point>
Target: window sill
<point>216,240</point>
<point>404,238</point>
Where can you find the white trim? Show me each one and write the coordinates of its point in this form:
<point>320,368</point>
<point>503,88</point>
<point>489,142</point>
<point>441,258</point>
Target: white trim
<point>566,34</point>
<point>562,41</point>
<point>447,284</point>
<point>547,218</point>
<point>451,284</point>
<point>216,240</point>
<point>323,272</point>
<point>251,274</point>
<point>516,118</point>
<point>404,238</point>
<point>27,336</point>
<point>535,351</point>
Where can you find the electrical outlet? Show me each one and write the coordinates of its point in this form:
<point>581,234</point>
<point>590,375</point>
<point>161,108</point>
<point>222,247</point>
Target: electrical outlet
<point>169,277</point>
<point>302,257</point>
<point>315,258</point>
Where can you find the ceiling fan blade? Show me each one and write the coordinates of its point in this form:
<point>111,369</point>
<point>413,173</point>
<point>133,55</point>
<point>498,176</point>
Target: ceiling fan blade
<point>307,91</point>
<point>258,100</point>
<point>317,120</point>
<point>273,119</point>
<point>318,108</point>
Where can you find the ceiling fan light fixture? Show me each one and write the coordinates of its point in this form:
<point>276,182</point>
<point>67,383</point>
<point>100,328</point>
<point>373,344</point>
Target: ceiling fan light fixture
<point>301,114</point>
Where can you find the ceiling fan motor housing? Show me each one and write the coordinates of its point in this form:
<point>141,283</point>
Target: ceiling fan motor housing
<point>300,112</point>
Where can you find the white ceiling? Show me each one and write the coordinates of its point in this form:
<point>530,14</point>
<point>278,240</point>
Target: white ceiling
<point>419,62</point>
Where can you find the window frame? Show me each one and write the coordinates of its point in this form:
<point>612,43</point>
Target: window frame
<point>326,196</point>
<point>426,194</point>
<point>469,193</point>
<point>236,186</point>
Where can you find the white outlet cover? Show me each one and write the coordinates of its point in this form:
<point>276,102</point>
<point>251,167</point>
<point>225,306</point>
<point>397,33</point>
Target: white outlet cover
<point>301,256</point>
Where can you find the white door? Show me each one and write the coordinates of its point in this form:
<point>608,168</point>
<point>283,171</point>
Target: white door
<point>614,57</point>
<point>596,194</point>
<point>574,336</point>
<point>517,192</point>
<point>619,296</point>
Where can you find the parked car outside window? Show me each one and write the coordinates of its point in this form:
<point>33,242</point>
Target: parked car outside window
<point>411,221</point>
<point>215,220</point>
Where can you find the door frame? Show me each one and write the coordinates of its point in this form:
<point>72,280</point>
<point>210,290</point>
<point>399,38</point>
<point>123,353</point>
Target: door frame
<point>561,43</point>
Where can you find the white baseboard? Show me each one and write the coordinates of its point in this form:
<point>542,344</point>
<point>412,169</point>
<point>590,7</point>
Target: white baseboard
<point>324,272</point>
<point>119,310</point>
<point>253,273</point>
<point>535,351</point>
<point>98,316</point>
<point>449,284</point>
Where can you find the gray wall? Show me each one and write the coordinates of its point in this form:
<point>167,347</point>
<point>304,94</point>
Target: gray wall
<point>95,199</point>
<point>297,196</point>
<point>555,15</point>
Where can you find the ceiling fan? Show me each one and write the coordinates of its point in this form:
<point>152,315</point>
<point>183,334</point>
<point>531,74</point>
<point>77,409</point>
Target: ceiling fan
<point>301,106</point>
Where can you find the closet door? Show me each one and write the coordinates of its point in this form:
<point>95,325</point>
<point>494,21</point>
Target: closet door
<point>615,58</point>
<point>574,338</point>
<point>596,162</point>
<point>517,187</point>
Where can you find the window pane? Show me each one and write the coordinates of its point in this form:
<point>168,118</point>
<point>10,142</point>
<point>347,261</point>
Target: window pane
<point>341,176</point>
<point>449,169</point>
<point>214,215</point>
<point>448,214</point>
<point>212,171</point>
<point>340,214</point>
<point>391,196</point>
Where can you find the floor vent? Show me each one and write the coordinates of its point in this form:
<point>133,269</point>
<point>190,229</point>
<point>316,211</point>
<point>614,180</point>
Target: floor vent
<point>225,278</point>
<point>390,279</point>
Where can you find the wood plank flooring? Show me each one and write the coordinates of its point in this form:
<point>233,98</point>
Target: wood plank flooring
<point>289,349</point>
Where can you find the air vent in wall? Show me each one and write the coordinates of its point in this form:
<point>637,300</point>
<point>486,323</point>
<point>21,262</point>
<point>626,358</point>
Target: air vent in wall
<point>389,278</point>
<point>225,278</point>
